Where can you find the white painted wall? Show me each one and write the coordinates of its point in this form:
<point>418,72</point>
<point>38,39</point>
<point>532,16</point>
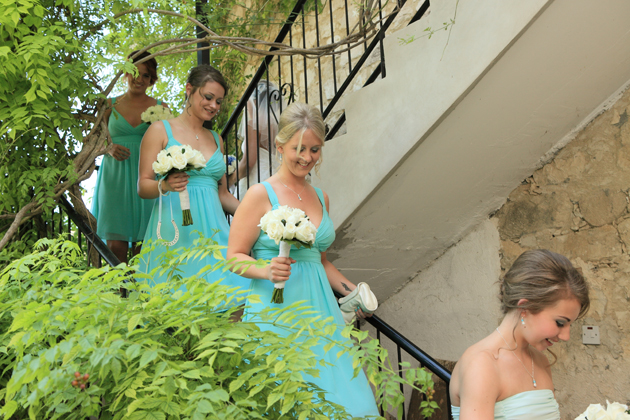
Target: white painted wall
<point>424,79</point>
<point>453,303</point>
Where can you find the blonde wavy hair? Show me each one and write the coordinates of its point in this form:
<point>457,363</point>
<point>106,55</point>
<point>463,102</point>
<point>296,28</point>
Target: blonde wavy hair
<point>299,117</point>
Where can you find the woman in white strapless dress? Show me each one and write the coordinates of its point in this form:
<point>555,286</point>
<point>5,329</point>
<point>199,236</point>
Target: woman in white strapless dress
<point>257,135</point>
<point>506,375</point>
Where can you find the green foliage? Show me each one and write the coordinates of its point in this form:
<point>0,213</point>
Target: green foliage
<point>57,58</point>
<point>158,354</point>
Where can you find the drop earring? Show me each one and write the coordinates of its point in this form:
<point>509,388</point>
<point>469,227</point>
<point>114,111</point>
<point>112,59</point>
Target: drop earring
<point>523,322</point>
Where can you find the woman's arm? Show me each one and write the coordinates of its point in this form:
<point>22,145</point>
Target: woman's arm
<point>228,201</point>
<point>117,151</point>
<point>338,281</point>
<point>153,142</point>
<point>244,232</point>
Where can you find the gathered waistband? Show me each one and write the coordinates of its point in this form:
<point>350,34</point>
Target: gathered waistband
<point>300,255</point>
<point>203,181</point>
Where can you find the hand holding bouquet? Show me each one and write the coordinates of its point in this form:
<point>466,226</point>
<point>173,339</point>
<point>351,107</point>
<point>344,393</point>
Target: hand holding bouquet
<point>180,159</point>
<point>614,411</point>
<point>287,226</point>
<point>156,113</point>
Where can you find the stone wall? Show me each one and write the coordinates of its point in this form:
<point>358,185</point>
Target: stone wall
<point>577,205</point>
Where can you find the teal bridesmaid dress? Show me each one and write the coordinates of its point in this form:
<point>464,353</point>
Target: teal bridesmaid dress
<point>308,282</point>
<point>538,404</point>
<point>121,215</point>
<point>208,218</point>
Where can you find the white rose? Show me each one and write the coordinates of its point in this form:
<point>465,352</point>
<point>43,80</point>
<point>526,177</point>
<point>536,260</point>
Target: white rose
<point>299,213</point>
<point>189,152</point>
<point>198,160</point>
<point>596,412</point>
<point>179,161</point>
<point>161,168</point>
<point>293,219</point>
<point>264,221</point>
<point>164,114</point>
<point>289,231</point>
<point>163,155</point>
<point>174,150</point>
<point>306,232</point>
<point>614,408</point>
<point>275,230</point>
<point>283,212</point>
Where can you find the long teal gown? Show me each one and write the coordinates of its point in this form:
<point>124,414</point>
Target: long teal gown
<point>207,214</point>
<point>538,404</point>
<point>308,282</point>
<point>121,215</point>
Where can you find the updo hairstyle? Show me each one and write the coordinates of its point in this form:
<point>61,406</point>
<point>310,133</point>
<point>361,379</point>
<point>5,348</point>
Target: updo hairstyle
<point>203,74</point>
<point>150,63</point>
<point>543,278</point>
<point>300,117</point>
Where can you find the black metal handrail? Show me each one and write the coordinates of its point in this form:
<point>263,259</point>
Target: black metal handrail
<point>93,239</point>
<point>231,123</point>
<point>378,71</point>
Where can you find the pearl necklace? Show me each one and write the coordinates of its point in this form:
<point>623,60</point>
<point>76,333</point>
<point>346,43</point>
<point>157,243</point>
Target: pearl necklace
<point>517,358</point>
<point>298,194</point>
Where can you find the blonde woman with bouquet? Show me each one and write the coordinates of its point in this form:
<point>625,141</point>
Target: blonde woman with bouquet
<point>207,197</point>
<point>309,276</point>
<point>121,215</point>
<point>506,375</point>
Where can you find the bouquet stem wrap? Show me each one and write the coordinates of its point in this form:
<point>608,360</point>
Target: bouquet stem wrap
<point>184,202</point>
<point>278,288</point>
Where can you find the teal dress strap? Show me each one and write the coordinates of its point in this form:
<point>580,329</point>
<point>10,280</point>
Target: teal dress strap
<point>159,102</point>
<point>273,198</point>
<point>216,139</point>
<point>169,132</point>
<point>113,101</point>
<point>320,194</point>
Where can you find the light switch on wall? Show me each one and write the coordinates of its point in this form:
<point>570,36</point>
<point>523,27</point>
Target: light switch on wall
<point>590,334</point>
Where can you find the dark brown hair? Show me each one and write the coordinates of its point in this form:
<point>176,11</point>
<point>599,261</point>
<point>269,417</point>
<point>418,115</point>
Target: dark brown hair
<point>542,278</point>
<point>203,74</point>
<point>150,63</point>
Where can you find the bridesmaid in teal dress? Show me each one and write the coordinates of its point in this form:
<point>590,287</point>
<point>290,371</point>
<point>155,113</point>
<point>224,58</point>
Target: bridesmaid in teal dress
<point>506,375</point>
<point>310,276</point>
<point>121,214</point>
<point>209,197</point>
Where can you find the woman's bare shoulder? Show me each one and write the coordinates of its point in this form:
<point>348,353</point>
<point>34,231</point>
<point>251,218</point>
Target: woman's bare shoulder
<point>256,193</point>
<point>478,359</point>
<point>476,376</point>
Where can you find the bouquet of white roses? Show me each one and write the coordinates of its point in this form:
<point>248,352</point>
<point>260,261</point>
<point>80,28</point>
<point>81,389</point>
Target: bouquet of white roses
<point>180,159</point>
<point>156,113</point>
<point>614,411</point>
<point>287,226</point>
<point>230,162</point>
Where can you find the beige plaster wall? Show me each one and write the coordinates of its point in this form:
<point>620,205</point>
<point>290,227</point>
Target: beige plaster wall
<point>577,205</point>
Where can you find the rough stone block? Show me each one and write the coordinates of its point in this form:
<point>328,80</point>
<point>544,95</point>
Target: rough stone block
<point>602,207</point>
